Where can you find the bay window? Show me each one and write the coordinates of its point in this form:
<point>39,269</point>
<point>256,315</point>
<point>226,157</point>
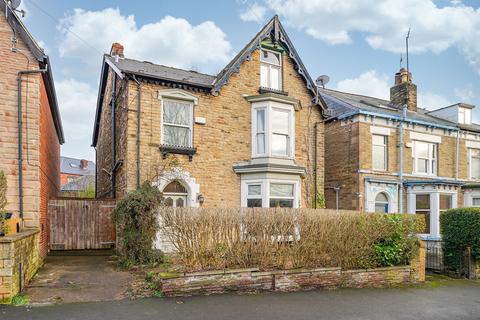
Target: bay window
<point>424,158</point>
<point>281,195</point>
<point>273,127</point>
<point>268,193</point>
<point>177,120</point>
<point>270,69</point>
<point>474,163</point>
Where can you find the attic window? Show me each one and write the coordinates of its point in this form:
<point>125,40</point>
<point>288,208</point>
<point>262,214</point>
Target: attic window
<point>271,69</point>
<point>464,115</point>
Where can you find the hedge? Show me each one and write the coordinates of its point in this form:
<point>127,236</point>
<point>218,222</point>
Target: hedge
<point>460,228</point>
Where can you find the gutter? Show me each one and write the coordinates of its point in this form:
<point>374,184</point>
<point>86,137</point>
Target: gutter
<point>20,136</point>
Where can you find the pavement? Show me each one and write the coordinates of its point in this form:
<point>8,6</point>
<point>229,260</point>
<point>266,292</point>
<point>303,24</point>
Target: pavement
<point>83,278</point>
<point>437,299</point>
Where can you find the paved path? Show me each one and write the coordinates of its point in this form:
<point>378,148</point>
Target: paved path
<point>458,299</point>
<point>78,279</point>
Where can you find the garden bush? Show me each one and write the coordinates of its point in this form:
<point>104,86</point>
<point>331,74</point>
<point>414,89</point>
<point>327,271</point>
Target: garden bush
<point>136,218</point>
<point>460,228</point>
<point>3,203</point>
<point>207,239</point>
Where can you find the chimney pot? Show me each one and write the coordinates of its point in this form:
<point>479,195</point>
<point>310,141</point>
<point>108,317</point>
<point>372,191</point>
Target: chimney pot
<point>83,164</point>
<point>117,50</point>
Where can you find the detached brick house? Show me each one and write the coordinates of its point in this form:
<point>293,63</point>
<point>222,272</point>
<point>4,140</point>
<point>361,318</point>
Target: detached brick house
<point>392,156</point>
<point>250,136</point>
<point>29,148</point>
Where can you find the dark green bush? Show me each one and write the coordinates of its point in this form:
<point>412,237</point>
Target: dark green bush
<point>460,228</point>
<point>136,218</point>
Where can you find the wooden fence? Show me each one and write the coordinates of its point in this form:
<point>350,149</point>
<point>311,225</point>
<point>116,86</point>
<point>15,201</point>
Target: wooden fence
<point>81,224</point>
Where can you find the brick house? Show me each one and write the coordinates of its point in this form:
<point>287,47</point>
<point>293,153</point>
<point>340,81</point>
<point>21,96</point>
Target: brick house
<point>366,137</point>
<point>72,168</point>
<point>251,135</point>
<point>30,148</point>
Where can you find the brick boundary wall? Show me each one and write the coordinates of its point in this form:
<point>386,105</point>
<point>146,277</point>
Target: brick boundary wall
<point>18,252</point>
<point>253,280</point>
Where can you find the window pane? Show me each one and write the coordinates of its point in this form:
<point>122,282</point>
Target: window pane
<point>381,197</point>
<point>281,190</point>
<point>254,203</point>
<point>475,166</point>
<point>280,121</point>
<point>279,144</point>
<point>261,120</point>
<point>270,57</point>
<point>476,202</point>
<point>176,136</point>
<point>169,202</point>
<point>422,165</point>
<point>445,201</point>
<point>254,190</point>
<point>175,187</point>
<point>468,116</point>
<point>260,143</point>
<point>281,203</point>
<point>423,201</point>
<point>421,149</point>
<point>425,216</point>
<point>264,75</point>
<point>379,161</point>
<point>176,112</point>
<point>275,78</point>
<point>378,139</point>
<point>381,207</point>
<point>180,203</point>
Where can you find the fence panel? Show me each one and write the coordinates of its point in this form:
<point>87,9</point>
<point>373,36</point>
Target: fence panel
<point>81,224</point>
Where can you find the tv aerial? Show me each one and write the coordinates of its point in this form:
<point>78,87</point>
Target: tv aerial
<point>322,81</point>
<point>14,4</point>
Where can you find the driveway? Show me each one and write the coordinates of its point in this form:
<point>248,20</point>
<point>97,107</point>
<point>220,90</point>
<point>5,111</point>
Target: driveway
<point>78,279</point>
<point>457,299</point>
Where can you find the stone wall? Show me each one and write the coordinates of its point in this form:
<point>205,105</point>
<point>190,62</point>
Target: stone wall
<point>19,261</point>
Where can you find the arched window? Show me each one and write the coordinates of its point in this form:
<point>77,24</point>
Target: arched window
<point>381,203</point>
<point>175,194</point>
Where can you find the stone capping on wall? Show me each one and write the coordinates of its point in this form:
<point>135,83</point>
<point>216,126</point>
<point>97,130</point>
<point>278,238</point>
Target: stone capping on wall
<point>254,280</point>
<point>19,236</point>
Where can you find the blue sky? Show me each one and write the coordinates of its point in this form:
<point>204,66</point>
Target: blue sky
<point>356,42</point>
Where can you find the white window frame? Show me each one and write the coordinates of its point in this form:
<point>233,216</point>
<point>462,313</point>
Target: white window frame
<point>464,115</point>
<point>432,158</point>
<point>470,156</point>
<point>269,106</point>
<point>163,124</point>
<point>269,66</point>
<point>265,187</point>
<point>385,152</point>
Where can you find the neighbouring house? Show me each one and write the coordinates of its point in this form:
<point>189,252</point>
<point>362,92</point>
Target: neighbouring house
<point>82,187</point>
<point>72,169</point>
<point>251,135</point>
<point>29,148</point>
<point>393,156</point>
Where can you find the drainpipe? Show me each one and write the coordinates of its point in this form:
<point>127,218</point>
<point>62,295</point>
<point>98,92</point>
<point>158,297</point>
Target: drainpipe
<point>20,136</point>
<point>138,128</point>
<point>400,156</point>
<point>114,140</point>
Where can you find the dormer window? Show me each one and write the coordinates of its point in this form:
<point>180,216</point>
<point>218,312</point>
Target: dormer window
<point>464,115</point>
<point>271,69</point>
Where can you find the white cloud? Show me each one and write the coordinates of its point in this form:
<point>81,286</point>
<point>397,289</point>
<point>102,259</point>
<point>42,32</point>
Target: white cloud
<point>77,102</point>
<point>384,24</point>
<point>255,13</point>
<point>465,94</point>
<point>170,41</point>
<point>371,83</point>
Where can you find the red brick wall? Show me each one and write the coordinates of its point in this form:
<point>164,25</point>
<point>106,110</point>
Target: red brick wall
<point>64,178</point>
<point>49,166</point>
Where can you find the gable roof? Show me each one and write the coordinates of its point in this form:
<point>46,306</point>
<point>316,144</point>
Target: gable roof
<point>72,166</point>
<point>179,78</point>
<point>343,104</point>
<point>44,62</point>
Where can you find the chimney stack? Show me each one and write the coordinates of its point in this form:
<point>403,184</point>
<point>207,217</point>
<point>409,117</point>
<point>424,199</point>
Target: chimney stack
<point>83,164</point>
<point>117,50</point>
<point>404,92</point>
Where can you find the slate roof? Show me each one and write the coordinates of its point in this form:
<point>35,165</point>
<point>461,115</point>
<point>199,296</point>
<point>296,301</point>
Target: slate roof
<point>72,166</point>
<point>344,104</point>
<point>80,184</point>
<point>157,71</point>
<point>44,62</point>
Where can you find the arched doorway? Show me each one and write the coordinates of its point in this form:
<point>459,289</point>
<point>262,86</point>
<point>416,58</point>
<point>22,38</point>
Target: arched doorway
<point>381,203</point>
<point>175,195</point>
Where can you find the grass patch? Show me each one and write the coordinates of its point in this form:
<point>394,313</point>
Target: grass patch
<point>20,300</point>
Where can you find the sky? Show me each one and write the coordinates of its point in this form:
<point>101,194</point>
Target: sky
<point>357,43</point>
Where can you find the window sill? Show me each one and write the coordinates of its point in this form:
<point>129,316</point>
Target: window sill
<point>167,149</point>
<point>263,90</point>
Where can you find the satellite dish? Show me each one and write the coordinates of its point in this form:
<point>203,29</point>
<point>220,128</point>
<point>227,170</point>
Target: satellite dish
<point>14,4</point>
<point>322,81</point>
